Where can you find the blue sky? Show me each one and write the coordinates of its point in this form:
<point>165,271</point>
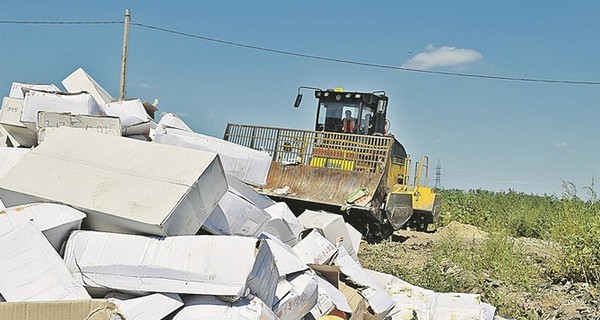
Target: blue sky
<point>490,134</point>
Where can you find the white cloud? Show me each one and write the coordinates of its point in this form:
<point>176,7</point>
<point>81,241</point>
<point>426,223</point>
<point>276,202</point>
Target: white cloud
<point>437,140</point>
<point>446,56</point>
<point>561,145</point>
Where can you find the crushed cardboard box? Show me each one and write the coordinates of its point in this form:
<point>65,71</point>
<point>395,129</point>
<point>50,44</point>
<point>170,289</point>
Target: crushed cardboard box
<point>183,264</point>
<point>236,216</point>
<point>332,226</point>
<point>315,249</point>
<point>33,271</point>
<point>427,304</point>
<point>280,210</point>
<point>379,302</point>
<point>122,185</point>
<point>296,295</point>
<point>56,221</point>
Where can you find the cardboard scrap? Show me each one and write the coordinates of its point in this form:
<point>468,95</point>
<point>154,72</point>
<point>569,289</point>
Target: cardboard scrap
<point>210,308</point>
<point>33,271</point>
<point>296,295</point>
<point>55,221</point>
<point>122,185</point>
<point>182,264</point>
<point>91,309</point>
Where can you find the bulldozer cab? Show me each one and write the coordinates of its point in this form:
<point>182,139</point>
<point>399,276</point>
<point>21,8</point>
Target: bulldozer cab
<point>351,112</point>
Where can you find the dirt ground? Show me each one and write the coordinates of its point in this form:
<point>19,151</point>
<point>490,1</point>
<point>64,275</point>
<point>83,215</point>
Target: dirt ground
<point>563,300</point>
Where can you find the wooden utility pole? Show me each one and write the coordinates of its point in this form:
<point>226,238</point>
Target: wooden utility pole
<point>124,56</point>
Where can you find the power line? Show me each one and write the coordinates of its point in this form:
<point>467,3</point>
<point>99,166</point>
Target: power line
<point>309,56</point>
<point>365,64</point>
<point>58,22</point>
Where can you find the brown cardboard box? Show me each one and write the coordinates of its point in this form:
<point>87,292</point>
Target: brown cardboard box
<point>93,309</point>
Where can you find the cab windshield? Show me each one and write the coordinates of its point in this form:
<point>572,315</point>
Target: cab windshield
<point>338,117</point>
<point>345,117</point>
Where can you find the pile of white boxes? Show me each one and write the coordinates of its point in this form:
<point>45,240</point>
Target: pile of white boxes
<point>107,214</point>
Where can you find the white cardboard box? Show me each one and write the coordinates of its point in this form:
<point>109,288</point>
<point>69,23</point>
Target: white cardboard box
<point>296,295</point>
<point>48,122</point>
<point>315,249</point>
<point>134,119</point>
<point>74,103</point>
<point>249,165</point>
<point>55,221</point>
<point>123,185</point>
<point>80,80</point>
<point>331,225</point>
<point>208,265</point>
<point>10,120</point>
<point>9,157</point>
<point>211,308</point>
<point>151,307</point>
<point>236,216</point>
<point>16,90</point>
<point>281,210</point>
<point>33,271</point>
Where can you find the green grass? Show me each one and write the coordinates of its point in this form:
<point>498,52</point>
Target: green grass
<point>498,267</point>
<point>570,222</point>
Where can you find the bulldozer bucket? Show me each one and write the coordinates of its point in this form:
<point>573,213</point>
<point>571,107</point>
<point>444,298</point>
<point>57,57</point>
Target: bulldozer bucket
<point>327,186</point>
<point>335,169</point>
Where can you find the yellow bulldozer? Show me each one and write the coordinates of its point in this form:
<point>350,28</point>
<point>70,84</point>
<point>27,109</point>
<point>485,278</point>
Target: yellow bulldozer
<point>349,165</point>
